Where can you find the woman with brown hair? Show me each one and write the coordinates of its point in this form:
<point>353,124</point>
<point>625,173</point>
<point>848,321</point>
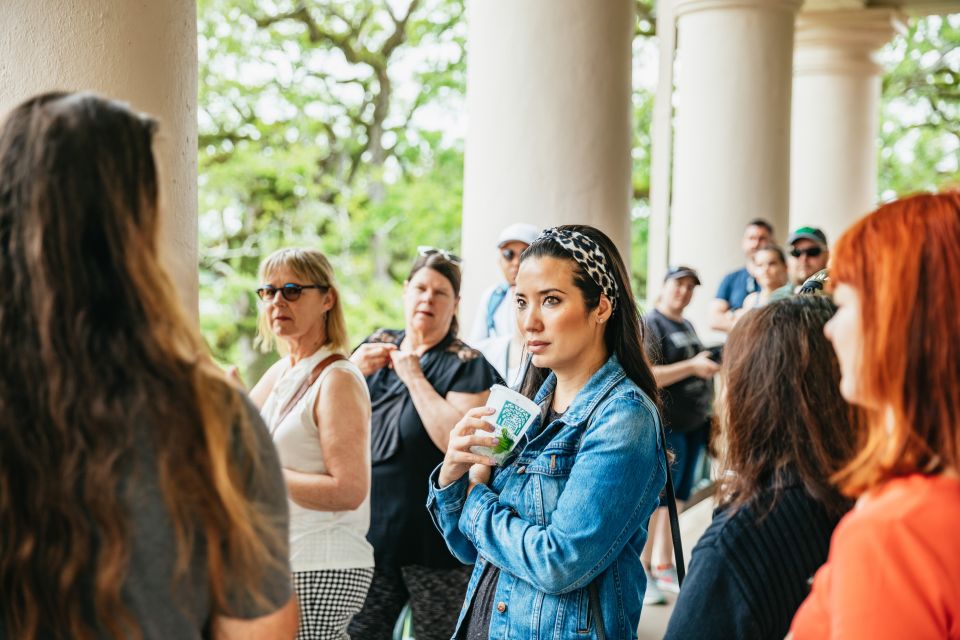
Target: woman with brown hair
<point>788,429</point>
<point>140,495</point>
<point>421,378</point>
<point>894,567</point>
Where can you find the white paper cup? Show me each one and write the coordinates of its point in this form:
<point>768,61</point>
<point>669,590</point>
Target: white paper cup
<point>513,415</point>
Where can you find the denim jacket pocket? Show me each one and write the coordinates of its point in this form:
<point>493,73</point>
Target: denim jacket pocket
<point>546,479</point>
<point>584,612</point>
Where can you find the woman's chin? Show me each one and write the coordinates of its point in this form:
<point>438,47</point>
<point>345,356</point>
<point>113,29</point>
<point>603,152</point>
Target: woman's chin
<point>540,361</point>
<point>424,324</point>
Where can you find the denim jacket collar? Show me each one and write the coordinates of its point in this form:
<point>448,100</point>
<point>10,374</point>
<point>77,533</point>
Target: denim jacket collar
<point>590,395</point>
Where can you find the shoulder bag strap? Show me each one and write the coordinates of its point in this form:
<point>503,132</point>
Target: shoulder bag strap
<point>493,303</point>
<point>317,370</point>
<point>674,532</point>
<point>672,508</point>
<point>597,613</point>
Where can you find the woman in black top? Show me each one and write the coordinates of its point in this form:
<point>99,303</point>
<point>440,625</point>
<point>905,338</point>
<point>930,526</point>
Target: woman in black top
<point>788,430</point>
<point>422,380</point>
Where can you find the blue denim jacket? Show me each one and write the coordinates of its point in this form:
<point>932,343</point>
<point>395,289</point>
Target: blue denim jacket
<point>570,509</point>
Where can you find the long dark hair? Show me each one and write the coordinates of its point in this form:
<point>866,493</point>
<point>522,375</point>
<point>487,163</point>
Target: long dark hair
<point>98,355</point>
<point>783,415</point>
<point>448,269</point>
<point>623,335</point>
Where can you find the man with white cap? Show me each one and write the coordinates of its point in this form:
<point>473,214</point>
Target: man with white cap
<point>495,322</point>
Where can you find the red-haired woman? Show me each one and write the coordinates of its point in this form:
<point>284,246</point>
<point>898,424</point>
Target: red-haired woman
<point>894,565</point>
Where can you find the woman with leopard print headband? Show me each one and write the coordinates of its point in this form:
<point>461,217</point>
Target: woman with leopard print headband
<point>556,530</point>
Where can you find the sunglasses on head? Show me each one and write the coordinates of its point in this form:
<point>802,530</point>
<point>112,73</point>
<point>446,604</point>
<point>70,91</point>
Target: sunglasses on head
<point>429,251</point>
<point>289,291</point>
<point>812,252</point>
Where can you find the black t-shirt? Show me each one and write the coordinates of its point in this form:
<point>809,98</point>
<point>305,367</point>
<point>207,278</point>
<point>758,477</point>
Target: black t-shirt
<point>687,404</point>
<point>401,531</point>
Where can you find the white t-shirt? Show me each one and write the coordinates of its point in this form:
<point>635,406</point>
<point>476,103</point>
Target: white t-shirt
<point>318,539</point>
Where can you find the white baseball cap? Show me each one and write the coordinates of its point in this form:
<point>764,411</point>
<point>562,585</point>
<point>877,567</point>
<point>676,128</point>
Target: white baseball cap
<point>518,232</point>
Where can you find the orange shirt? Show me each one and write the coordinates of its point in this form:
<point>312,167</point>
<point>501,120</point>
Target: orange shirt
<point>893,569</point>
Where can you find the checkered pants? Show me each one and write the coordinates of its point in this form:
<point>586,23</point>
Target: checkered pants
<point>328,600</point>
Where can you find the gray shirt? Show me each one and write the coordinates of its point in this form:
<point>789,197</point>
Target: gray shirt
<point>183,611</point>
<point>162,608</point>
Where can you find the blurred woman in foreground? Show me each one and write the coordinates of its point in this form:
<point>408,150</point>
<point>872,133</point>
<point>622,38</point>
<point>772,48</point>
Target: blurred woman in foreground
<point>894,567</point>
<point>140,495</point>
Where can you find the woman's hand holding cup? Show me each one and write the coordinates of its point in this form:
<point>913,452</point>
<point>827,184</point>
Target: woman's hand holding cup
<point>471,431</point>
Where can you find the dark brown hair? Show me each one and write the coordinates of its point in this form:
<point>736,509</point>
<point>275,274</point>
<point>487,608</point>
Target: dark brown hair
<point>783,415</point>
<point>775,249</point>
<point>760,222</point>
<point>98,354</point>
<point>623,334</point>
<point>449,270</point>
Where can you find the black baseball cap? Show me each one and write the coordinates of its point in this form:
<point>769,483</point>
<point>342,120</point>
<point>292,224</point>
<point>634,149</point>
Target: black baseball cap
<point>681,271</point>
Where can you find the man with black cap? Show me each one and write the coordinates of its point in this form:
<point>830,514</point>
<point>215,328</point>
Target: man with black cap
<point>495,324</point>
<point>682,369</point>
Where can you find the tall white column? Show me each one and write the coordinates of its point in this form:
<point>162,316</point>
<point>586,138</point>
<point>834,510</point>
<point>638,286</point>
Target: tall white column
<point>549,136</point>
<point>139,51</point>
<point>732,131</point>
<point>836,111</point>
<point>661,161</point>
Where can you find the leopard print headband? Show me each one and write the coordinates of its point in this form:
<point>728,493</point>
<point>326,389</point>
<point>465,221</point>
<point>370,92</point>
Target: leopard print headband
<point>588,255</point>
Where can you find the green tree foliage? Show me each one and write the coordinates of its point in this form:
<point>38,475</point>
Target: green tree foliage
<point>920,128</point>
<point>310,136</point>
<point>334,124</point>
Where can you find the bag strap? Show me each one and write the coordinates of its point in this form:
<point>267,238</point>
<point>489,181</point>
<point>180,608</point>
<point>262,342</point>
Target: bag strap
<point>493,303</point>
<point>305,385</point>
<point>597,613</point>
<point>674,516</point>
<point>674,533</point>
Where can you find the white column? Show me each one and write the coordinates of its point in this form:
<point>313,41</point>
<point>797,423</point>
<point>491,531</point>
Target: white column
<point>732,132</point>
<point>661,161</point>
<point>549,136</point>
<point>139,51</point>
<point>836,111</point>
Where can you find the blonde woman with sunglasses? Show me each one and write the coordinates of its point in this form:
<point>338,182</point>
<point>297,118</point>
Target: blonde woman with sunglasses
<point>316,406</point>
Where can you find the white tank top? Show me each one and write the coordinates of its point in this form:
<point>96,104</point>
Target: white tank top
<point>318,539</point>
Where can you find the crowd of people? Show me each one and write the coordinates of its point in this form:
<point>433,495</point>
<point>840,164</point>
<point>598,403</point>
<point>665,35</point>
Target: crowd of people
<point>145,493</point>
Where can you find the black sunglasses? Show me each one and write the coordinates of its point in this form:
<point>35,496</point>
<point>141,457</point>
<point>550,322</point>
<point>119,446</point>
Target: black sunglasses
<point>509,254</point>
<point>429,251</point>
<point>289,291</point>
<point>812,252</point>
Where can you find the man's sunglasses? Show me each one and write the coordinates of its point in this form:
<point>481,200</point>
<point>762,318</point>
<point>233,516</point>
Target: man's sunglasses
<point>509,254</point>
<point>812,252</point>
<point>289,291</point>
<point>429,251</point>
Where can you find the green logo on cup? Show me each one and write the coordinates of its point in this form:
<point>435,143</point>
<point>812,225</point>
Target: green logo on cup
<point>513,417</point>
